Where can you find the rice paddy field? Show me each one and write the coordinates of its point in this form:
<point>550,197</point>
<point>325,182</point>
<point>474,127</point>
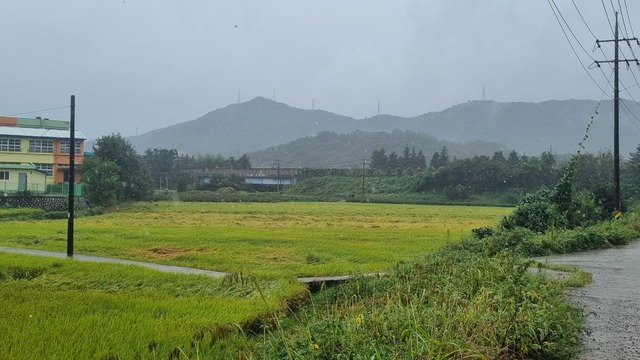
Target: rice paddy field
<point>63,309</point>
<point>268,240</point>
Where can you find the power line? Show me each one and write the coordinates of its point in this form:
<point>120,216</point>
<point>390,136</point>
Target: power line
<point>595,37</point>
<point>42,110</point>
<point>607,14</point>
<point>624,23</point>
<point>572,47</point>
<point>628,112</point>
<point>629,18</point>
<point>571,31</point>
<point>583,20</point>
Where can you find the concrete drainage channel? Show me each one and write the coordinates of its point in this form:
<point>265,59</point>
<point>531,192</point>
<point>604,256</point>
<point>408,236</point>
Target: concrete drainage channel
<point>315,283</point>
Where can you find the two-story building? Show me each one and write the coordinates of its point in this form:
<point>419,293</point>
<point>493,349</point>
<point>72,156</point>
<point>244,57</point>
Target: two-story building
<point>35,153</point>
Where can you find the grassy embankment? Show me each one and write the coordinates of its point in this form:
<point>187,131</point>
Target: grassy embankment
<point>474,299</point>
<point>275,240</point>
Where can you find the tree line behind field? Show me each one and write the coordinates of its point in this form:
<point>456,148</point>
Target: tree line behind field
<point>117,173</point>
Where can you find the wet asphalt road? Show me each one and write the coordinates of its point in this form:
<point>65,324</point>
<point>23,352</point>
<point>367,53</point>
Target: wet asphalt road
<point>611,302</point>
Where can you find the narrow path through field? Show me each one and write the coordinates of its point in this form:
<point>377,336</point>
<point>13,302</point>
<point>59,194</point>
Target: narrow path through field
<point>165,268</point>
<point>611,302</point>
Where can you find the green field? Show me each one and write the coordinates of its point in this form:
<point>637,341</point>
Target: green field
<point>60,308</point>
<point>271,239</point>
<point>63,309</point>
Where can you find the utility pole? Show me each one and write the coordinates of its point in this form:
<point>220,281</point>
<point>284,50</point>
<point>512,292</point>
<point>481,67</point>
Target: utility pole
<point>278,164</point>
<point>72,170</point>
<point>616,110</point>
<point>363,172</point>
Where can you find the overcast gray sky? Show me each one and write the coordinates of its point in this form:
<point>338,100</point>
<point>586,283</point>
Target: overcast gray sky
<point>143,65</point>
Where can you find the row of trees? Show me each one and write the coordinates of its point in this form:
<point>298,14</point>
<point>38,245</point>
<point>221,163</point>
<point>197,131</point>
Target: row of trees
<point>491,174</point>
<point>408,160</point>
<point>116,172</point>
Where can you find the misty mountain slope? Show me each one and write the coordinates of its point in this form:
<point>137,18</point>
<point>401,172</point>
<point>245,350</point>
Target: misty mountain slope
<point>244,127</point>
<point>529,128</point>
<point>329,149</point>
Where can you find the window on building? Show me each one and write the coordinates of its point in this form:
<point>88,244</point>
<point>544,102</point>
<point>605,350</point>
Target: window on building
<point>9,144</point>
<point>47,168</point>
<point>40,146</point>
<point>4,175</point>
<point>64,147</point>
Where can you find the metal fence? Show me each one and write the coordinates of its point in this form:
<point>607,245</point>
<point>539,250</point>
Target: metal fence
<point>63,189</point>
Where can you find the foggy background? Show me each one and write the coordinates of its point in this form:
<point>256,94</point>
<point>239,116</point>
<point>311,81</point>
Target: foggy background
<point>140,65</point>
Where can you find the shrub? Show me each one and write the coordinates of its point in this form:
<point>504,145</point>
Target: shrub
<point>56,215</point>
<point>534,212</point>
<point>456,192</point>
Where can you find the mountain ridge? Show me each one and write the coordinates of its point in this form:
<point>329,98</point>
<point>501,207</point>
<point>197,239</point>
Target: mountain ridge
<point>527,127</point>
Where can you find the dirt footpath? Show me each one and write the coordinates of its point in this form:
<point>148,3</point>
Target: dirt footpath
<point>611,302</point>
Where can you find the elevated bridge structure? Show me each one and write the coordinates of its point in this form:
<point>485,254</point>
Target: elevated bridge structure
<point>257,176</point>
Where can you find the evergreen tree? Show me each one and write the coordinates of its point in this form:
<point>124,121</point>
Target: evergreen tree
<point>405,161</point>
<point>378,159</point>
<point>393,162</point>
<point>498,157</point>
<point>421,161</point>
<point>413,158</point>
<point>243,162</point>
<point>444,156</point>
<point>513,158</point>
<point>435,160</point>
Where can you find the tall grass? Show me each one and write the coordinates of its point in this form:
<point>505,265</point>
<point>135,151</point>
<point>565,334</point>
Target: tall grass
<point>451,304</point>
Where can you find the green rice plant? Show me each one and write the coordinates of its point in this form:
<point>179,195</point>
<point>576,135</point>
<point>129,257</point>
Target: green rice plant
<point>20,214</point>
<point>267,239</point>
<point>63,309</point>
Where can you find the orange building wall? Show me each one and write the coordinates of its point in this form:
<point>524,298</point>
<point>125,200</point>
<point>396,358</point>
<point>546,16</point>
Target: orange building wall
<point>61,162</point>
<point>8,121</point>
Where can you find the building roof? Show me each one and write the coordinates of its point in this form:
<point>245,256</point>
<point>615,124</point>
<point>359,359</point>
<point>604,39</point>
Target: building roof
<point>38,133</point>
<point>29,166</point>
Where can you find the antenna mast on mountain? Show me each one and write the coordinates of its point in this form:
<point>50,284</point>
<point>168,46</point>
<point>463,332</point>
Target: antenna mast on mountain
<point>483,94</point>
<point>378,107</point>
<point>313,103</point>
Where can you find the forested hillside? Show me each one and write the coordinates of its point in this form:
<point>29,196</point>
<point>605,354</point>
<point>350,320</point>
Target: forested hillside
<point>329,149</point>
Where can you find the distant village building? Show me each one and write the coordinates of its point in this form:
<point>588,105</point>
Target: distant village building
<point>34,153</point>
